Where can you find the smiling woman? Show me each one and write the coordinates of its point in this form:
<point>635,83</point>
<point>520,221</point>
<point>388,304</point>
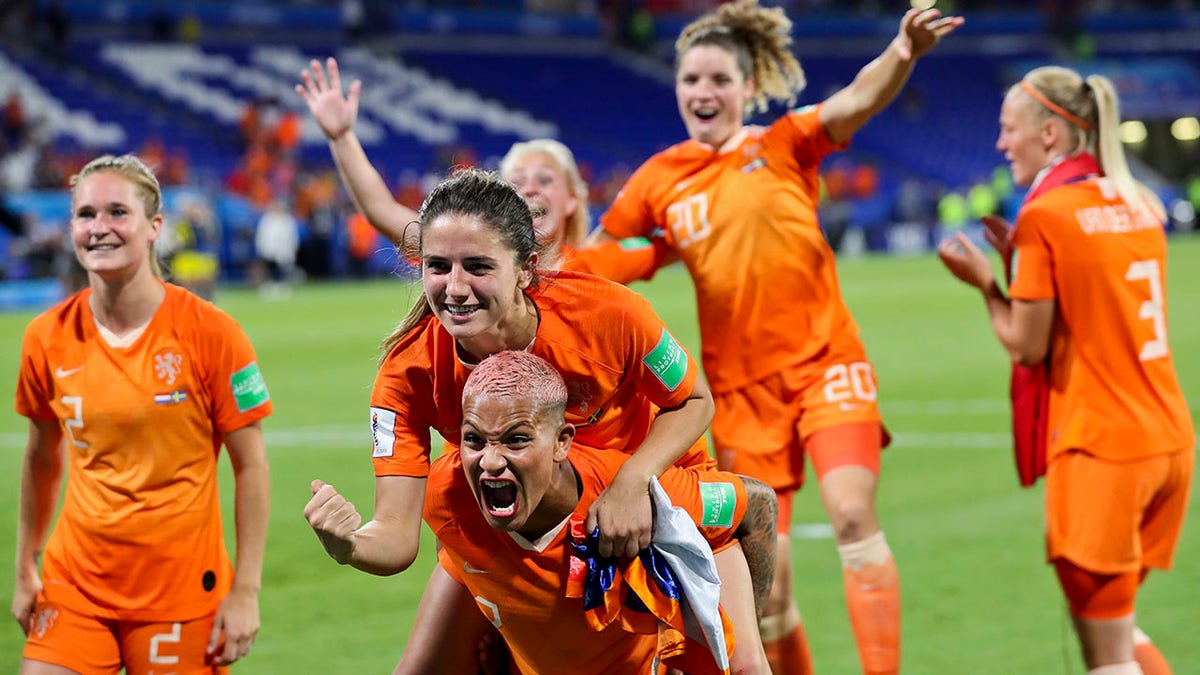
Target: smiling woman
<point>142,381</point>
<point>633,389</point>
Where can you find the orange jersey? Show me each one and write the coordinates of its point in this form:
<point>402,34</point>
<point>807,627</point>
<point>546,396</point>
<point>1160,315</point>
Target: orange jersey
<point>1114,393</point>
<point>619,362</point>
<point>632,259</point>
<point>521,586</point>
<point>139,535</point>
<point>745,224</point>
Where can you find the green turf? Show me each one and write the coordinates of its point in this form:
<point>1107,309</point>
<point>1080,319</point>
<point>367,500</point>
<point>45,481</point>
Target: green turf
<point>977,596</point>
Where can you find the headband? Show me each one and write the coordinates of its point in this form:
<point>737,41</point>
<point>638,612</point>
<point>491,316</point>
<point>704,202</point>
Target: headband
<point>1054,107</point>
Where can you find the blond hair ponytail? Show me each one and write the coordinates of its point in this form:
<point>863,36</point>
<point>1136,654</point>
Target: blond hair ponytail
<point>1111,154</point>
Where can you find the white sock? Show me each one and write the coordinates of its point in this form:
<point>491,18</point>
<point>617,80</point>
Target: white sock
<point>870,551</point>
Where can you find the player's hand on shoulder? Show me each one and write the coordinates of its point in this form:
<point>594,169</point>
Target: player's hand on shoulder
<point>334,519</point>
<point>624,516</point>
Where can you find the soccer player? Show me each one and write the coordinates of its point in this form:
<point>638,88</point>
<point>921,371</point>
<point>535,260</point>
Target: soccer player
<point>633,389</point>
<point>131,386</point>
<point>505,505</point>
<point>544,171</point>
<point>1089,236</point>
<point>789,374</point>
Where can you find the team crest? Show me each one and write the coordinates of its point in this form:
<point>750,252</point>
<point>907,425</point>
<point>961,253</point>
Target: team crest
<point>43,620</point>
<point>167,366</point>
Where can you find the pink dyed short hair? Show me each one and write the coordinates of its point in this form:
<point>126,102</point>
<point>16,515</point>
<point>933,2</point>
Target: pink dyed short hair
<point>521,375</point>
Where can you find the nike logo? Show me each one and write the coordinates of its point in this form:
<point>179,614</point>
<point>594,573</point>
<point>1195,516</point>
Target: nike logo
<point>59,372</point>
<point>471,570</point>
<point>684,183</point>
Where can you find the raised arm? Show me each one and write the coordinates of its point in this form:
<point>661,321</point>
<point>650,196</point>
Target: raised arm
<point>41,477</point>
<point>878,83</point>
<point>336,113</point>
<point>238,617</point>
<point>385,545</point>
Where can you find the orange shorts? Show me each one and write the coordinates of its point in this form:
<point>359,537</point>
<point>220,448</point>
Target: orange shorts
<point>760,430</point>
<point>1116,517</point>
<point>85,643</point>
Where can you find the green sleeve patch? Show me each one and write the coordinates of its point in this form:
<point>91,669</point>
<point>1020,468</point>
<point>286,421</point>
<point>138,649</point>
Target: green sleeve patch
<point>249,389</point>
<point>803,109</point>
<point>667,361</point>
<point>717,501</point>
<point>634,243</point>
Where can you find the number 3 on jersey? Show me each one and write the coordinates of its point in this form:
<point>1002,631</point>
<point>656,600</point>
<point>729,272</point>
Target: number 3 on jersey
<point>1152,309</point>
<point>688,220</point>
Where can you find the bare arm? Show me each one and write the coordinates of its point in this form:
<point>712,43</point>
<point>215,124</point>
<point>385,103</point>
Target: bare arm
<point>336,114</point>
<point>237,616</point>
<point>385,545</point>
<point>758,538</point>
<point>1023,327</point>
<point>623,510</point>
<point>41,478</point>
<point>878,83</point>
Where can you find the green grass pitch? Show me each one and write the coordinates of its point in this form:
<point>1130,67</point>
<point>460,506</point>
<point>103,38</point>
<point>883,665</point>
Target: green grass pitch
<point>977,596</point>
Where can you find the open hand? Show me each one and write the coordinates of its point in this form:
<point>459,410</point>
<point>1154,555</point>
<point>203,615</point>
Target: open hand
<point>333,111</point>
<point>920,31</point>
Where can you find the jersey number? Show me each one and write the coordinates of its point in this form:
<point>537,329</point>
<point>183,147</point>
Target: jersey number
<point>174,636</point>
<point>688,220</point>
<point>75,422</point>
<point>850,381</point>
<point>1152,309</point>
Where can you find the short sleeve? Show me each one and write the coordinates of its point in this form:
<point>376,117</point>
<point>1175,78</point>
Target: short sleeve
<point>716,500</point>
<point>665,372</point>
<point>33,394</point>
<point>623,260</point>
<point>236,386</point>
<point>1033,265</point>
<point>402,413</point>
<point>806,135</point>
<point>631,213</point>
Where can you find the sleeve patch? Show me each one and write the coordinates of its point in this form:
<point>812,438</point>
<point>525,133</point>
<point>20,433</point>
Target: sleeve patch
<point>803,109</point>
<point>383,431</point>
<point>249,389</point>
<point>718,502</point>
<point>667,361</point>
<point>634,243</point>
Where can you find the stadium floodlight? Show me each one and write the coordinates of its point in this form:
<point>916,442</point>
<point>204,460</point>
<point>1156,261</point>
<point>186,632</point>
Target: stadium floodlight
<point>1132,132</point>
<point>1185,129</point>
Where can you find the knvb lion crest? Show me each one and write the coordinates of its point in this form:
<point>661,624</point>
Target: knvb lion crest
<point>167,366</point>
<point>43,620</point>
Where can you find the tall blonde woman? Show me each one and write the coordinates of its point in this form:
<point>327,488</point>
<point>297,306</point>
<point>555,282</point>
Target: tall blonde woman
<point>1088,299</point>
<point>131,387</point>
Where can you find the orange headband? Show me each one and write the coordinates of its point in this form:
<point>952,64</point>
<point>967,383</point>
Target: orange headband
<point>1054,107</point>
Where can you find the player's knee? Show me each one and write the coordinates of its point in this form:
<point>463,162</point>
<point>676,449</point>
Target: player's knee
<point>853,520</point>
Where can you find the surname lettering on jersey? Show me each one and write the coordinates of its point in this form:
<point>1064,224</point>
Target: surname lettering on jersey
<point>1111,219</point>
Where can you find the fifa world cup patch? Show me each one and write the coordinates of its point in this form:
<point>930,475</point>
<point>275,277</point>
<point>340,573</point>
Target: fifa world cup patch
<point>667,361</point>
<point>171,397</point>
<point>383,432</point>
<point>249,389</point>
<point>634,243</point>
<point>718,502</point>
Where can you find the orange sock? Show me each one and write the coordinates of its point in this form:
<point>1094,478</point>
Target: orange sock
<point>873,600</point>
<point>1148,656</point>
<point>785,643</point>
